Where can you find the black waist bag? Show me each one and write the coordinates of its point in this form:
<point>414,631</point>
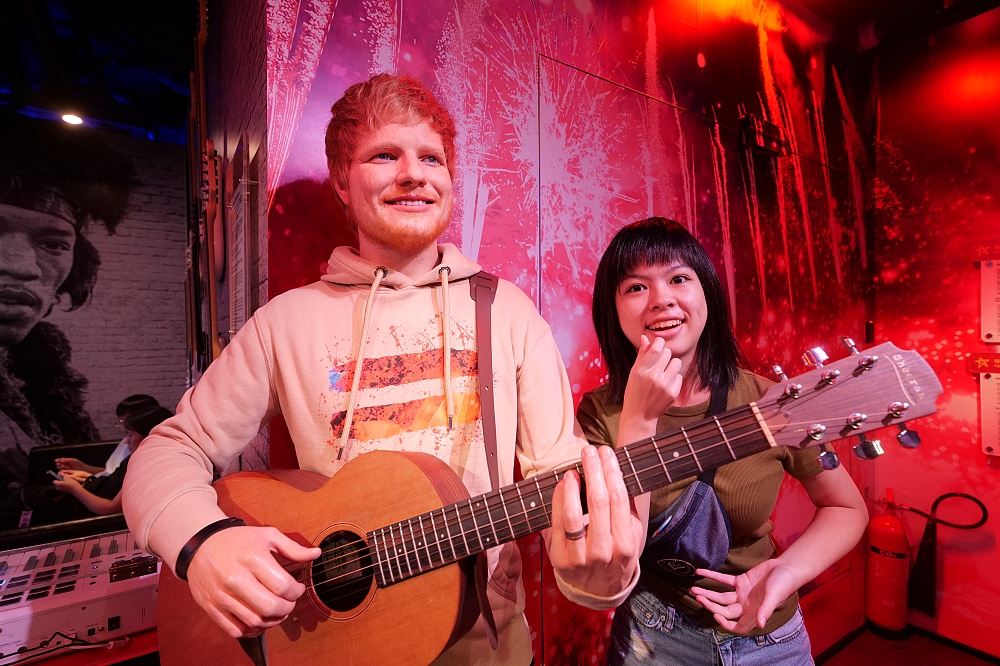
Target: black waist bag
<point>694,531</point>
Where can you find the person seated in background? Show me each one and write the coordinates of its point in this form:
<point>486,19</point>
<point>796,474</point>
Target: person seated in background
<point>69,499</point>
<point>79,470</point>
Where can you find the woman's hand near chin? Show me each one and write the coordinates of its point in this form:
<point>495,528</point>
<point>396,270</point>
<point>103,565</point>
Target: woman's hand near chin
<point>653,385</point>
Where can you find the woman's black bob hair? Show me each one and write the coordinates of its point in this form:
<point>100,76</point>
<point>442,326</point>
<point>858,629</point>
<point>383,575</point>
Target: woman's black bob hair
<point>650,242</point>
<point>143,422</point>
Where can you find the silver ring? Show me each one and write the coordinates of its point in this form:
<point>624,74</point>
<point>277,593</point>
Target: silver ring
<point>579,534</point>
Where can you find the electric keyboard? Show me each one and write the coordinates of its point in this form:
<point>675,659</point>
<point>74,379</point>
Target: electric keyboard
<point>74,594</point>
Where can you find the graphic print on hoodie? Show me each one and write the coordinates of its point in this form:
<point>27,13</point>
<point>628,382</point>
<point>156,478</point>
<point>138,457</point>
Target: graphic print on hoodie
<point>402,396</point>
<point>380,421</point>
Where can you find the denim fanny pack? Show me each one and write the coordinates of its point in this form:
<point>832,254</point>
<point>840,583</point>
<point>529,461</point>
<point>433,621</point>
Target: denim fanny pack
<point>694,531</point>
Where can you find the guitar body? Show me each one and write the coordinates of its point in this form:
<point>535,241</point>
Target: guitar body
<point>409,623</point>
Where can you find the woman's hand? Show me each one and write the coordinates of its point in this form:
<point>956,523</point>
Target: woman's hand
<point>77,464</point>
<point>653,383</point>
<point>68,486</point>
<point>835,529</point>
<point>77,475</point>
<point>754,597</point>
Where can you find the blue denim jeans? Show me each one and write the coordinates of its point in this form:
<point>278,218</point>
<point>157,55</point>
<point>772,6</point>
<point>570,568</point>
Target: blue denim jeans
<point>646,631</point>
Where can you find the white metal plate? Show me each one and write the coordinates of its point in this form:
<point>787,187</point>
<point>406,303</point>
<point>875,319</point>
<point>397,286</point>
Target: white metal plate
<point>989,404</point>
<point>989,277</point>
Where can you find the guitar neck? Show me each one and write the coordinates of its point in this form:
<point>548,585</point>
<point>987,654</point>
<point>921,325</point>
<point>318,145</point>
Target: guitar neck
<point>452,533</point>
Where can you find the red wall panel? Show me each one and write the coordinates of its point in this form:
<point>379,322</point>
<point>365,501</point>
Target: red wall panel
<point>576,118</point>
<point>936,194</point>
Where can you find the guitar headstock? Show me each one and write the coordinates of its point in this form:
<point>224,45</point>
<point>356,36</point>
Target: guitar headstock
<point>882,386</point>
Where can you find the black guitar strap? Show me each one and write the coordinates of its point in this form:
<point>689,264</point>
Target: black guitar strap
<point>720,400</point>
<point>484,290</point>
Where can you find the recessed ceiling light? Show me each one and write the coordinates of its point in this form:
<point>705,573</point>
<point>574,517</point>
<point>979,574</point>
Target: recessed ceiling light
<point>72,120</point>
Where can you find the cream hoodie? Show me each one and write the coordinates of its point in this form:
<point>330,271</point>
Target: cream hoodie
<point>296,356</point>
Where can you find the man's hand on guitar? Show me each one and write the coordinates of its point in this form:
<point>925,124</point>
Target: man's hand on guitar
<point>235,578</point>
<point>599,558</point>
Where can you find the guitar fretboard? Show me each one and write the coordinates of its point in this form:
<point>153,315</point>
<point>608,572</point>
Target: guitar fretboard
<point>452,533</point>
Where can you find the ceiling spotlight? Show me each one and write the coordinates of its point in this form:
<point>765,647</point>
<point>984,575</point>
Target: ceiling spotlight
<point>72,120</point>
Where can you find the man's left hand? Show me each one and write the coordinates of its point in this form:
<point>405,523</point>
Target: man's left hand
<point>603,560</point>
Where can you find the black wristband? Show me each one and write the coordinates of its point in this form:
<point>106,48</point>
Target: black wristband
<point>194,543</point>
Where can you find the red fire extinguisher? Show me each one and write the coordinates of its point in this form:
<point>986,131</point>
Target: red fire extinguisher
<point>888,569</point>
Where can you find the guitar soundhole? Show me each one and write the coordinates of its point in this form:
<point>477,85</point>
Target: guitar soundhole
<point>342,575</point>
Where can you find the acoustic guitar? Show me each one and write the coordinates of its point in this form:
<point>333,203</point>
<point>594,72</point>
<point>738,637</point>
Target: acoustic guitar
<point>399,532</point>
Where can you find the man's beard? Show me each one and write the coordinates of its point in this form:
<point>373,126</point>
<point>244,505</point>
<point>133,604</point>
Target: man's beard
<point>403,239</point>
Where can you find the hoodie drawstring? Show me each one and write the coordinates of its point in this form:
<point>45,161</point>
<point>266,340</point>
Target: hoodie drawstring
<point>380,273</point>
<point>446,327</point>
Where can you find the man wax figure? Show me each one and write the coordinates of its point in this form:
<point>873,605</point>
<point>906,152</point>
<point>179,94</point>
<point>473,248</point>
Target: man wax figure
<point>396,309</point>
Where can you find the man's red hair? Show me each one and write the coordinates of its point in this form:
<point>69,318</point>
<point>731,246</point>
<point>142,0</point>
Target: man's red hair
<point>382,99</point>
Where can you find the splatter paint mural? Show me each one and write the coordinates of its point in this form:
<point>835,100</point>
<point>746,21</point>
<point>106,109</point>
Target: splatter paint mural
<point>576,117</point>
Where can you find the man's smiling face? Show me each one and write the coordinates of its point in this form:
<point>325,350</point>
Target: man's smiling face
<point>36,256</point>
<point>398,190</point>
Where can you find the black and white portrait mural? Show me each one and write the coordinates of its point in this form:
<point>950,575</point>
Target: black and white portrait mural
<point>92,231</point>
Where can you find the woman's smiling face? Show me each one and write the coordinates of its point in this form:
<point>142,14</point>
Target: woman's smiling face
<point>663,301</point>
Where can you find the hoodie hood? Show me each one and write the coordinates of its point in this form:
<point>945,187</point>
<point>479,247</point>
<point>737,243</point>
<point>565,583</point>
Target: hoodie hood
<point>347,268</point>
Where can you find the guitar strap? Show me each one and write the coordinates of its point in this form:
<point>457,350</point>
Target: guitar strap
<point>720,400</point>
<point>484,289</point>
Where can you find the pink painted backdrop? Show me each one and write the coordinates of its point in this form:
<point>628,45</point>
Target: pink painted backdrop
<point>576,117</point>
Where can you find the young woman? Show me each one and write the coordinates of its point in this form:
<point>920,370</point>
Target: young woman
<point>664,329</point>
<point>102,495</point>
<point>77,494</point>
<point>80,470</point>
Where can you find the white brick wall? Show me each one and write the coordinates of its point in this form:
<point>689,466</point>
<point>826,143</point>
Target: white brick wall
<point>130,338</point>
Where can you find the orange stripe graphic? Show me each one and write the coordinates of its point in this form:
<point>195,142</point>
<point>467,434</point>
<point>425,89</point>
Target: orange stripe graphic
<point>402,369</point>
<point>382,421</point>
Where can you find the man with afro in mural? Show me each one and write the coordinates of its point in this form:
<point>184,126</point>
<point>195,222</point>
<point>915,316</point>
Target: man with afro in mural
<point>55,180</point>
<point>381,354</point>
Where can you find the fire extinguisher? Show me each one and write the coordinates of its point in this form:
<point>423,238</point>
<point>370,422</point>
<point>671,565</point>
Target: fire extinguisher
<point>888,569</point>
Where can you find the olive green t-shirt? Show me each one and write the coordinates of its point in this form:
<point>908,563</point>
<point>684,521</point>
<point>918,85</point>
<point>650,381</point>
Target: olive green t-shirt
<point>747,489</point>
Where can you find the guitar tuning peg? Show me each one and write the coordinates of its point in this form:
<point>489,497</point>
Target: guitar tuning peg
<point>868,449</point>
<point>828,458</point>
<point>776,369</point>
<point>908,438</point>
<point>815,357</point>
<point>849,343</point>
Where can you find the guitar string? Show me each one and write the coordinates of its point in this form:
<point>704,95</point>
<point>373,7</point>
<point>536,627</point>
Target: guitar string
<point>549,482</point>
<point>641,451</point>
<point>644,450</point>
<point>413,556</point>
